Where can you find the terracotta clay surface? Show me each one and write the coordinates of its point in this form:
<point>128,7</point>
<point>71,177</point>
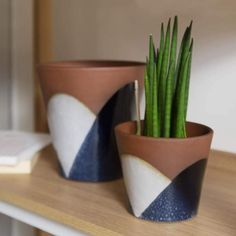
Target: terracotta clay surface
<point>92,82</point>
<point>169,155</point>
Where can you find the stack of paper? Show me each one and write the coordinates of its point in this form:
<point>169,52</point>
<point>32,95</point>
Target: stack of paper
<point>19,151</point>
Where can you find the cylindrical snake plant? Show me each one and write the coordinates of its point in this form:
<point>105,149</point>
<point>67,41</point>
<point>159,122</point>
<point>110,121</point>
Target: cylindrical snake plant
<point>167,83</point>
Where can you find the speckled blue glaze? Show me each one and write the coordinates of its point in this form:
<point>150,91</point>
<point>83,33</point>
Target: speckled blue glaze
<point>179,201</point>
<point>98,158</point>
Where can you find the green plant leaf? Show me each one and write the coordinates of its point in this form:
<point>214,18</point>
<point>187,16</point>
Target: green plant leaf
<point>147,107</point>
<point>168,102</point>
<point>151,68</point>
<point>155,122</point>
<point>179,131</point>
<point>184,48</point>
<point>188,80</point>
<point>183,53</point>
<point>163,76</point>
<point>151,57</point>
<point>173,50</point>
<point>160,53</point>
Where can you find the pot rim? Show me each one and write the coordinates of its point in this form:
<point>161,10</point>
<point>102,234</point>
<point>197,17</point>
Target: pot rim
<point>119,131</point>
<point>91,64</point>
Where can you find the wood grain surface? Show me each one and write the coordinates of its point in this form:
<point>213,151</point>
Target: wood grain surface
<point>102,209</point>
<point>43,53</point>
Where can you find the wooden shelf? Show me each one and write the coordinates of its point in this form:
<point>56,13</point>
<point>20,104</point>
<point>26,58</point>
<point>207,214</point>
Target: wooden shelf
<point>102,209</point>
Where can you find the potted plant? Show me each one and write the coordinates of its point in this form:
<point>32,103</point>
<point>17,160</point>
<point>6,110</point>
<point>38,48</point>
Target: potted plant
<point>85,100</point>
<point>164,157</point>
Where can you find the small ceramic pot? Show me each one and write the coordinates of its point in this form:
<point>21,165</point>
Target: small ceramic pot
<point>85,100</point>
<point>163,177</point>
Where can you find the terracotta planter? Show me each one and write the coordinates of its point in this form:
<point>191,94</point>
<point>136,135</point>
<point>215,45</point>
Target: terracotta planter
<point>85,100</point>
<point>163,177</point>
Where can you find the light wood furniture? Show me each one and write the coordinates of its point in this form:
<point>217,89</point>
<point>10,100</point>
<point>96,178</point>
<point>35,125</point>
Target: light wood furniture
<point>43,53</point>
<point>102,209</point>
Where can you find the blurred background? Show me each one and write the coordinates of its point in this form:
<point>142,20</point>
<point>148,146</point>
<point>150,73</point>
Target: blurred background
<point>38,31</point>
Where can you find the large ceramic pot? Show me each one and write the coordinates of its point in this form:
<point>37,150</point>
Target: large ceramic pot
<point>85,100</point>
<point>163,176</point>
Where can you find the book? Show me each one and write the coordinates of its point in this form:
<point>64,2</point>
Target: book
<point>19,150</point>
<point>24,167</point>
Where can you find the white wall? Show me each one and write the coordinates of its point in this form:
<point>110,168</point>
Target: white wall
<point>22,21</point>
<point>16,82</point>
<point>5,64</point>
<point>5,86</point>
<point>118,29</point>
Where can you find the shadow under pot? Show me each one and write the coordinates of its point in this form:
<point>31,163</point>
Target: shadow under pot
<point>85,100</point>
<point>163,176</point>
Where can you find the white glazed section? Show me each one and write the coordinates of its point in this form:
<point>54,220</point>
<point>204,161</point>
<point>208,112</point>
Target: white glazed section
<point>143,182</point>
<point>69,122</point>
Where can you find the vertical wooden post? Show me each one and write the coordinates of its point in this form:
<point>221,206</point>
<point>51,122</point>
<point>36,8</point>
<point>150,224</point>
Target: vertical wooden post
<point>43,53</point>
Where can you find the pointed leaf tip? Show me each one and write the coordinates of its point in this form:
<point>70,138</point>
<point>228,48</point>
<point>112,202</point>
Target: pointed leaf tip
<point>190,25</point>
<point>169,21</point>
<point>176,20</point>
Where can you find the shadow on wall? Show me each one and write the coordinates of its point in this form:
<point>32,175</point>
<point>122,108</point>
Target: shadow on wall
<point>119,30</point>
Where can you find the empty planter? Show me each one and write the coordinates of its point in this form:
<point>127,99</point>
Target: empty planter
<point>163,176</point>
<point>85,100</point>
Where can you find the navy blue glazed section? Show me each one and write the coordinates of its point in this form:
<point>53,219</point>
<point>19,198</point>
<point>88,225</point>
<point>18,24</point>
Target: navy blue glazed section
<point>179,201</point>
<point>98,158</point>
